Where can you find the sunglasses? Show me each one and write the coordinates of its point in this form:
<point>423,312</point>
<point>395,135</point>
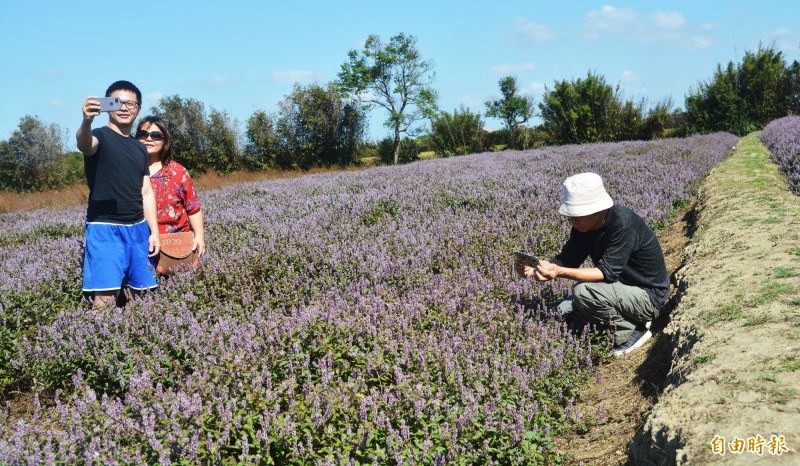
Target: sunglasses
<point>155,135</point>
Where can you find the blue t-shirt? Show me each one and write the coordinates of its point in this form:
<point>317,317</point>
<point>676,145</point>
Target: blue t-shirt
<point>115,174</point>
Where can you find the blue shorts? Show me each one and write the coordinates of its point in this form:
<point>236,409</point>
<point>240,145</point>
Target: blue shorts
<point>116,256</point>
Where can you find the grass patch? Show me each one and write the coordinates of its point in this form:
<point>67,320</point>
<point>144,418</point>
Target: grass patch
<point>781,396</point>
<point>770,292</point>
<point>704,358</point>
<point>783,272</point>
<point>754,320</point>
<point>790,363</point>
<point>724,313</point>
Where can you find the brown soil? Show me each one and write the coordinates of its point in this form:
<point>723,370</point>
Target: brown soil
<point>726,365</point>
<point>626,388</point>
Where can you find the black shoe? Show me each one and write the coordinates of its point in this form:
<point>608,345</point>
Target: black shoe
<point>638,337</point>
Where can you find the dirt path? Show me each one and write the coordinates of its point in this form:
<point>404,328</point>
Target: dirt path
<point>726,369</point>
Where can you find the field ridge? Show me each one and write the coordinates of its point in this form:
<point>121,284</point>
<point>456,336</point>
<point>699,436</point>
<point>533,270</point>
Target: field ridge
<point>735,334</point>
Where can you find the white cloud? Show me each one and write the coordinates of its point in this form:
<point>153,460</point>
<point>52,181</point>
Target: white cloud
<point>669,19</point>
<point>513,69</point>
<point>628,76</point>
<point>699,42</point>
<point>535,32</point>
<point>780,32</point>
<point>473,101</point>
<point>56,103</point>
<point>295,76</point>
<point>785,40</point>
<point>154,96</point>
<point>535,88</point>
<point>610,19</point>
<point>710,26</point>
<point>669,27</point>
<point>215,80</point>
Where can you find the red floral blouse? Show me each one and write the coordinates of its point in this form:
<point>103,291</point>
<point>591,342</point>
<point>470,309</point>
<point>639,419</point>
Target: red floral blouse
<point>175,197</point>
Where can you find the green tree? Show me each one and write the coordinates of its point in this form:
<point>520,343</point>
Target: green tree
<point>261,142</point>
<point>581,110</point>
<point>35,157</point>
<point>408,152</point>
<point>659,118</point>
<point>458,134</point>
<point>743,97</point>
<point>395,77</point>
<point>793,99</point>
<point>223,149</point>
<point>512,108</point>
<point>186,119</point>
<point>315,126</point>
<point>8,168</point>
<point>627,120</point>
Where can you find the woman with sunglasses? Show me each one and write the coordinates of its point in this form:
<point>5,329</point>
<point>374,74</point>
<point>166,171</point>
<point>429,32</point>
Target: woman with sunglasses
<point>176,200</point>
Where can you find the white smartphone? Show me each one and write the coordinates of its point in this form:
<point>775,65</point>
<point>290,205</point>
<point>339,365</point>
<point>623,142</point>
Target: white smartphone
<point>109,104</point>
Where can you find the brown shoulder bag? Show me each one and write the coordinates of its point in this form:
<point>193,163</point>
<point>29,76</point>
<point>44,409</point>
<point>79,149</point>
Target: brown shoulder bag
<point>176,251</point>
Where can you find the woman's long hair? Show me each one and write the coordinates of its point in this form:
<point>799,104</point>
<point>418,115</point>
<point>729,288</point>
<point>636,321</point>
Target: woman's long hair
<point>166,154</point>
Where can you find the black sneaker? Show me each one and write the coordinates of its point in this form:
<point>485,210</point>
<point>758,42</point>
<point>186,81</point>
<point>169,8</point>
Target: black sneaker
<point>638,337</point>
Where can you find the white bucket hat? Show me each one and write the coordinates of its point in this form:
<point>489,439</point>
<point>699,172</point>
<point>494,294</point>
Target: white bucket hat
<point>583,194</point>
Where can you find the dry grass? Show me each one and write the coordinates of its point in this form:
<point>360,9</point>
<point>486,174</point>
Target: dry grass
<point>78,195</point>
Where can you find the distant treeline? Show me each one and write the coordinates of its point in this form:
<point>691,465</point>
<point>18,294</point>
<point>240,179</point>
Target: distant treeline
<point>325,125</point>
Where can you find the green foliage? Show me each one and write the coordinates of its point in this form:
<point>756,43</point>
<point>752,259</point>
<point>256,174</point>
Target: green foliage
<point>34,158</point>
<point>224,155</point>
<point>380,210</point>
<point>658,119</point>
<point>793,100</point>
<point>22,311</point>
<point>186,119</point>
<point>201,142</point>
<point>580,111</point>
<point>261,146</point>
<point>394,77</point>
<point>512,108</point>
<point>315,126</point>
<point>458,134</point>
<point>743,97</point>
<point>590,110</point>
<point>424,143</point>
<point>407,151</point>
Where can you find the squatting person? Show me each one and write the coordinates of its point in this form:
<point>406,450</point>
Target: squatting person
<point>629,282</point>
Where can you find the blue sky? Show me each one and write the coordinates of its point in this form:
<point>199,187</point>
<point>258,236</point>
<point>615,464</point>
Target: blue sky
<point>245,56</point>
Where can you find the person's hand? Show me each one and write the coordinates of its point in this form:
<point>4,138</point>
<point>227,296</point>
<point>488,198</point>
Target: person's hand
<point>199,246</point>
<point>523,269</point>
<point>545,271</point>
<point>90,109</point>
<point>155,245</point>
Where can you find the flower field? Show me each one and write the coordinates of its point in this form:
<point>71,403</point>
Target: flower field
<point>782,138</point>
<point>367,317</point>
